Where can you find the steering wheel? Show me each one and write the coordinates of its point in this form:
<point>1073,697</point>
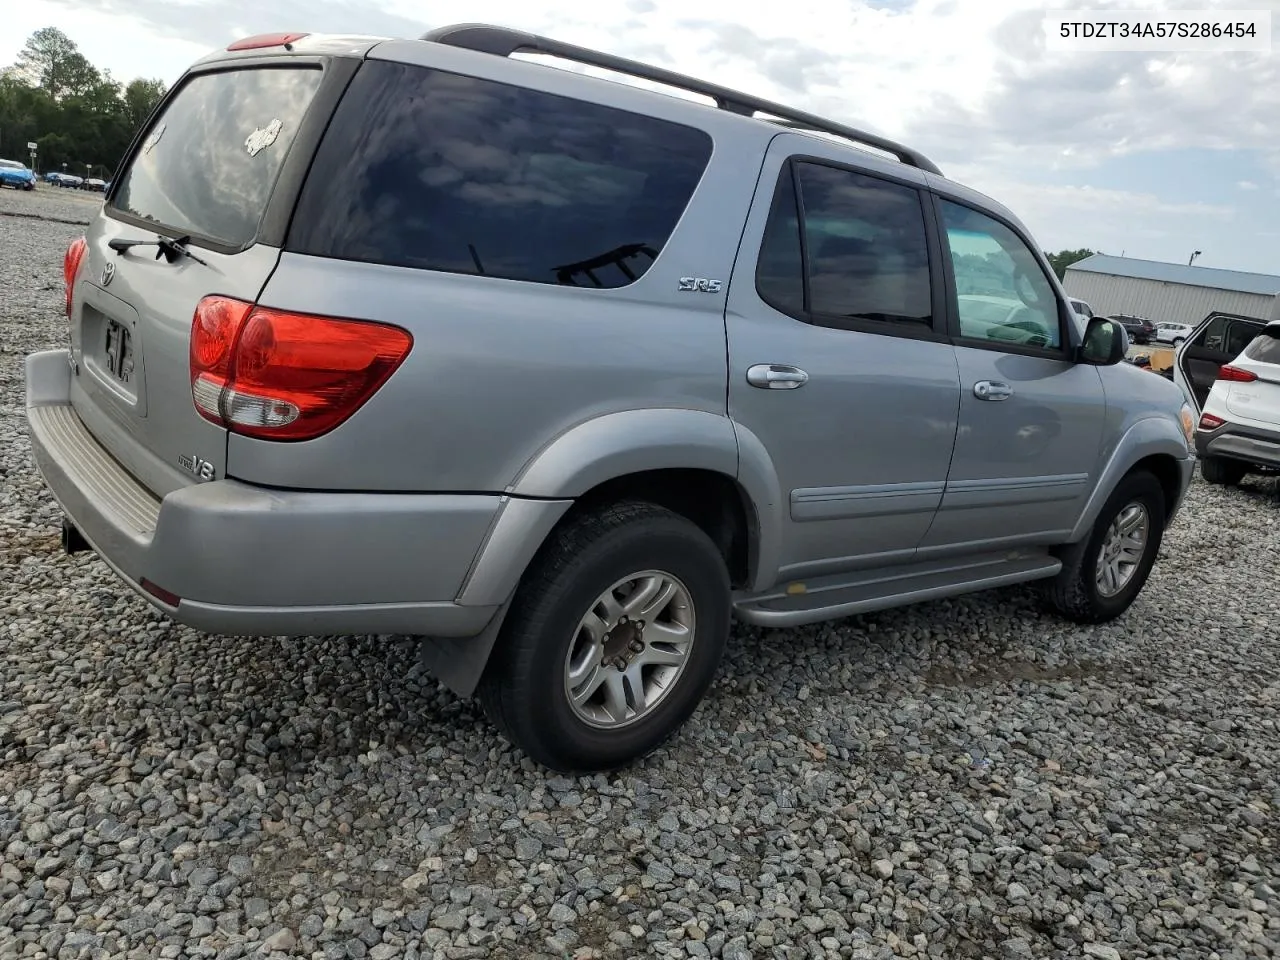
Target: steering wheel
<point>1024,318</point>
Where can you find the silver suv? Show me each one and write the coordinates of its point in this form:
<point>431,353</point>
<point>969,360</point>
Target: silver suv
<point>562,374</point>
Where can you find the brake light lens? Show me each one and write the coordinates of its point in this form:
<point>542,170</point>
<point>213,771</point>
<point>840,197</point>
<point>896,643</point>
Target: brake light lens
<point>1236,375</point>
<point>71,266</point>
<point>277,375</point>
<point>1209,422</point>
<point>266,40</point>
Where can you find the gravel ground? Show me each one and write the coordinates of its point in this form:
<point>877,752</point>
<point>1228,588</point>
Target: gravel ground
<point>961,779</point>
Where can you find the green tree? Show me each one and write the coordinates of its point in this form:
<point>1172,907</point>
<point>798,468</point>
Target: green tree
<point>51,62</point>
<point>140,98</point>
<point>80,116</point>
<point>1065,258</point>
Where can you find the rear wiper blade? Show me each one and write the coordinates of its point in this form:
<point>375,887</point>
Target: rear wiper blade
<point>169,248</point>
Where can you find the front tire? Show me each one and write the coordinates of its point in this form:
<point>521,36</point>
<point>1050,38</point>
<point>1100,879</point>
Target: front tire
<point>1103,574</point>
<point>613,637</point>
<point>1219,470</point>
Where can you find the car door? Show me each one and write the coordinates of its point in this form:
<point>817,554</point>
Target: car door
<point>838,362</point>
<point>1030,427</point>
<point>1218,339</point>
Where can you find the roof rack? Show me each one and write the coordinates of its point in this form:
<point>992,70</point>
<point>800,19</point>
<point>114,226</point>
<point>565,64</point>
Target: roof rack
<point>502,42</point>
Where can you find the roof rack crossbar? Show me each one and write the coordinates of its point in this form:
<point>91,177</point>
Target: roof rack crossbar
<point>503,42</point>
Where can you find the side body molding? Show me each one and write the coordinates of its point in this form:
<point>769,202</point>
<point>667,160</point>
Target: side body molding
<point>1150,436</point>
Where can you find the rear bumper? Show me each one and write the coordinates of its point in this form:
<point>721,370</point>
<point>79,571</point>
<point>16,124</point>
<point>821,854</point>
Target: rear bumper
<point>248,560</point>
<point>1233,441</point>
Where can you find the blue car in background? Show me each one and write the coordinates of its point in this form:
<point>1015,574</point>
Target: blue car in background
<point>16,175</point>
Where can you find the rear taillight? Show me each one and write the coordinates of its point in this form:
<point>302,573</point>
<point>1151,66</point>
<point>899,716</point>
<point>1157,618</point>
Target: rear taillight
<point>1236,375</point>
<point>266,40</point>
<point>286,376</point>
<point>71,266</point>
<point>1209,422</point>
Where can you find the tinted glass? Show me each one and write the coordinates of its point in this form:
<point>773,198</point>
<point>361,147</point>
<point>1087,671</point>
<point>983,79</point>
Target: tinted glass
<point>1001,292</point>
<point>780,267</point>
<point>1265,348</point>
<point>210,160</point>
<point>1214,335</point>
<point>865,243</point>
<point>1239,335</point>
<point>421,168</point>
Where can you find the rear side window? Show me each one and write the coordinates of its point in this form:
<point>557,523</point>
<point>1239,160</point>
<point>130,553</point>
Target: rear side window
<point>209,161</point>
<point>1266,348</point>
<point>852,250</point>
<point>421,168</point>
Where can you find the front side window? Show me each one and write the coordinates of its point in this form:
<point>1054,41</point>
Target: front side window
<point>209,162</point>
<point>863,255</point>
<point>1002,294</point>
<point>421,168</point>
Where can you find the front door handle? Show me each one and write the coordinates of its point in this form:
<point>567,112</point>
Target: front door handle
<point>776,376</point>
<point>992,390</point>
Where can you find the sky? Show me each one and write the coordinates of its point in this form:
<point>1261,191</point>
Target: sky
<point>1150,155</point>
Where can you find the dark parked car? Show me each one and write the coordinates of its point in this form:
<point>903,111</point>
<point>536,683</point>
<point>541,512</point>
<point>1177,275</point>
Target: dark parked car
<point>1140,329</point>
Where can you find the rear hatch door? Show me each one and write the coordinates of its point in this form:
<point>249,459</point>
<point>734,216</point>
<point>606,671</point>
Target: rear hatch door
<point>218,166</point>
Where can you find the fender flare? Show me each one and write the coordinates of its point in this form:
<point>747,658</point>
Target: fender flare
<point>1150,436</point>
<point>634,441</point>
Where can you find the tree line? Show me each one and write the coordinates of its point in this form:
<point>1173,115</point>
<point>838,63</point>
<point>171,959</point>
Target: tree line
<point>77,115</point>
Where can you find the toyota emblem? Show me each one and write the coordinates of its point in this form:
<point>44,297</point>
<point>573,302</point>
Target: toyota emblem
<point>108,272</point>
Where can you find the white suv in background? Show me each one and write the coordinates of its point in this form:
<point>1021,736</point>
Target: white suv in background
<point>1239,429</point>
<point>1173,333</point>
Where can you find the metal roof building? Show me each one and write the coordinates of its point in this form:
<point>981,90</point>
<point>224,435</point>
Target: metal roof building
<point>1168,291</point>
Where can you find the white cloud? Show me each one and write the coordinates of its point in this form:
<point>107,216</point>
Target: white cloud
<point>1247,185</point>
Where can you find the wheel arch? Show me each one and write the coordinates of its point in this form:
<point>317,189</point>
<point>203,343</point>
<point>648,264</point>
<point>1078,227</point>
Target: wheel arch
<point>1154,444</point>
<point>685,460</point>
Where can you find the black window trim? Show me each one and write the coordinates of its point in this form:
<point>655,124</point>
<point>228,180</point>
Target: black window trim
<point>286,240</point>
<point>933,331</point>
<point>336,74</point>
<point>1065,351</point>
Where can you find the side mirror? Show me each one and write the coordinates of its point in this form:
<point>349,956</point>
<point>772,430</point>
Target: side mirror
<point>1105,342</point>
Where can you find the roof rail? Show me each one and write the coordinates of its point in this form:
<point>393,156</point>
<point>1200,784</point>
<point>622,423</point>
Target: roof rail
<point>502,42</point>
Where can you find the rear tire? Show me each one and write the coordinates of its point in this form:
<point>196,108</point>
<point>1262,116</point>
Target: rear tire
<point>1219,470</point>
<point>587,674</point>
<point>1082,592</point>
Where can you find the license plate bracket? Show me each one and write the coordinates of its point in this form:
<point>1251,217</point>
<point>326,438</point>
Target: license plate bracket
<point>117,352</point>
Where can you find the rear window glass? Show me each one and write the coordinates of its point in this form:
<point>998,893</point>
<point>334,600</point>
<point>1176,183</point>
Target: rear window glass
<point>209,161</point>
<point>421,168</point>
<point>1266,348</point>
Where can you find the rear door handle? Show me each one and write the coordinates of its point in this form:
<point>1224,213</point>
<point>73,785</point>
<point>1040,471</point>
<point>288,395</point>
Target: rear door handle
<point>776,376</point>
<point>992,390</point>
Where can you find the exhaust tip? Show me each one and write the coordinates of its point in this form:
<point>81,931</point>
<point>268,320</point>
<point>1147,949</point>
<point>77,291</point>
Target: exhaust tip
<point>73,540</point>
